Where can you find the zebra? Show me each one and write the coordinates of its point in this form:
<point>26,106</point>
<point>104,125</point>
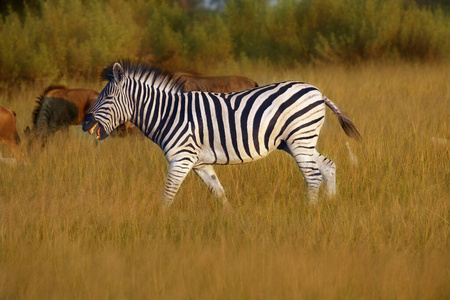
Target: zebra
<point>197,130</point>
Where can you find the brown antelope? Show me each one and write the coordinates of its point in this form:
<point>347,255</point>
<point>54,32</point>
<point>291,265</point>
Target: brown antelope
<point>8,131</point>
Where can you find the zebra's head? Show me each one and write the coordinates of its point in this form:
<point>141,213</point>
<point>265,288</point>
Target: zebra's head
<point>113,106</point>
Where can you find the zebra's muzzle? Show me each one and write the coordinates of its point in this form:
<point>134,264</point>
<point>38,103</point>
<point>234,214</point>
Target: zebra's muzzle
<point>99,131</point>
<point>88,123</point>
<point>91,125</point>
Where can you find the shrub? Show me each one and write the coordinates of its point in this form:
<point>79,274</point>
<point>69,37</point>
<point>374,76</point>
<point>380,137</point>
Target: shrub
<point>71,38</point>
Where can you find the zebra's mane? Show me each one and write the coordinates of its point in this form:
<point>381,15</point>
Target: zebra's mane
<point>143,72</point>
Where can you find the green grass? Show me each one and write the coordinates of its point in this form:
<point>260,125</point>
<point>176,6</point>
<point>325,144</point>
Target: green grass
<point>82,220</point>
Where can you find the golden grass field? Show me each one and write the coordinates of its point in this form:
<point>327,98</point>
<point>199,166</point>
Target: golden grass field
<point>82,220</point>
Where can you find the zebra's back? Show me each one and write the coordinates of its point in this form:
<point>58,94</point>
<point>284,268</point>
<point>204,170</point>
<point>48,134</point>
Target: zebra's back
<point>245,126</point>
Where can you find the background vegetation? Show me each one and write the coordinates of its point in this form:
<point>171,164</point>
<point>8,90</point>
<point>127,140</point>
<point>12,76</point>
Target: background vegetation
<point>52,40</point>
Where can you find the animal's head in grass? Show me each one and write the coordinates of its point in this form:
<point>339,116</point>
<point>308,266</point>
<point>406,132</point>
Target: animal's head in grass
<point>57,108</point>
<point>116,104</point>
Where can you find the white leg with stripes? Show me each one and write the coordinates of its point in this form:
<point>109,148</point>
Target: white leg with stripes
<point>177,173</point>
<point>209,177</point>
<point>328,170</point>
<point>310,170</point>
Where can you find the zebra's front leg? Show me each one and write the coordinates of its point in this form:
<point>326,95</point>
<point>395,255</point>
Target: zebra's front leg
<point>209,177</point>
<point>177,173</point>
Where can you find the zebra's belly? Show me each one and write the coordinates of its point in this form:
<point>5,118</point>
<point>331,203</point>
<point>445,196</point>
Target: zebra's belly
<point>220,157</point>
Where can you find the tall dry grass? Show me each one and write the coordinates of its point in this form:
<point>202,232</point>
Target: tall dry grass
<point>82,220</point>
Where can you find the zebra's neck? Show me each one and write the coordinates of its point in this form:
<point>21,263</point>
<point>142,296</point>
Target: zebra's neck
<point>157,112</point>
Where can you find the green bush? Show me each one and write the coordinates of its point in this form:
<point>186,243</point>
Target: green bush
<point>209,44</point>
<point>71,38</point>
<point>163,33</point>
<point>360,30</point>
<point>67,38</point>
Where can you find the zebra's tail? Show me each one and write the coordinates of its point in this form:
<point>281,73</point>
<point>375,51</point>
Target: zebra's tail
<point>346,123</point>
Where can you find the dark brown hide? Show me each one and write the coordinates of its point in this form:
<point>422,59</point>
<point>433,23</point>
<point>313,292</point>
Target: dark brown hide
<point>214,84</point>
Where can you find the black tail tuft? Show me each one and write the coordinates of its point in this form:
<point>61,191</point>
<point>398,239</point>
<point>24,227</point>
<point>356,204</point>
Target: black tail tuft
<point>349,127</point>
<point>346,123</point>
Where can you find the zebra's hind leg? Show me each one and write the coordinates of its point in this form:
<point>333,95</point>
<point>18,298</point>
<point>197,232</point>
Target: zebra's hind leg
<point>328,170</point>
<point>177,173</point>
<point>306,161</point>
<point>209,177</point>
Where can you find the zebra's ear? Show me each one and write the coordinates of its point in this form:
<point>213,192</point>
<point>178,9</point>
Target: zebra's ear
<point>118,72</point>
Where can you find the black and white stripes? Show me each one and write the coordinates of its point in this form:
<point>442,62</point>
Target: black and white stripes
<point>197,130</point>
